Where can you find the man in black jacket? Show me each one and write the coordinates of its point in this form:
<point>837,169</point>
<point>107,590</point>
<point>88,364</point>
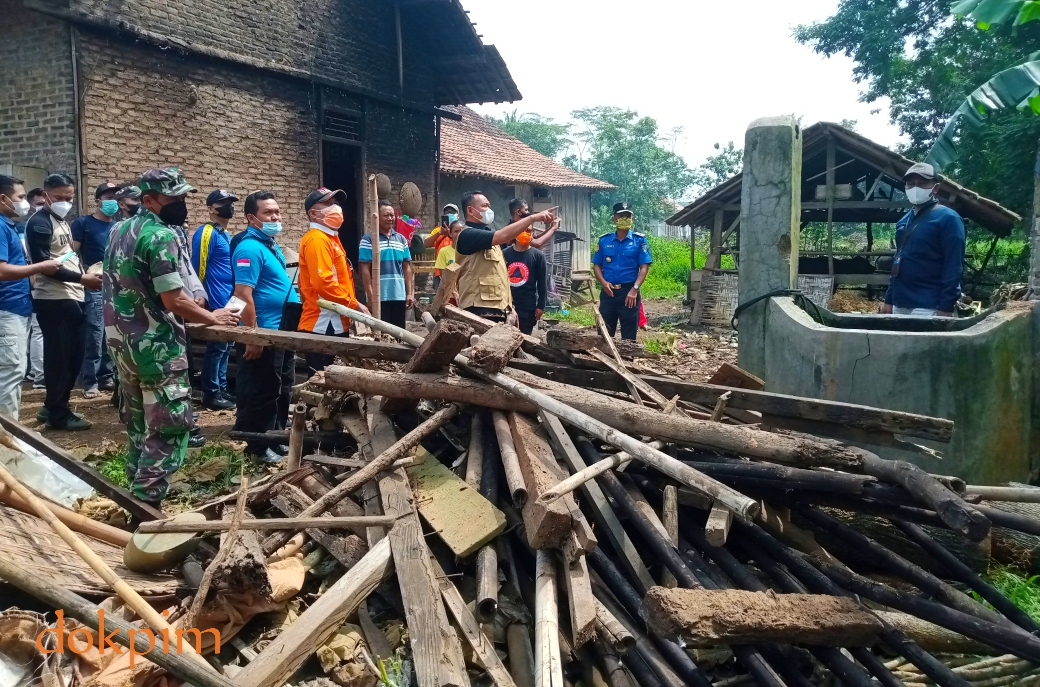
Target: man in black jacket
<point>527,280</point>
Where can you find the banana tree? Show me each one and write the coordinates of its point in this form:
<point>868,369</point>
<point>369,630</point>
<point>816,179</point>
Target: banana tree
<point>1018,86</point>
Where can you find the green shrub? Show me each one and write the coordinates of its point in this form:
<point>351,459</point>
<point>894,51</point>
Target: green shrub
<point>671,267</point>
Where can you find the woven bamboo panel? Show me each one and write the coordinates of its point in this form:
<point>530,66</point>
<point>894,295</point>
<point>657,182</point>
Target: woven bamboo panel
<point>30,543</point>
<point>720,295</point>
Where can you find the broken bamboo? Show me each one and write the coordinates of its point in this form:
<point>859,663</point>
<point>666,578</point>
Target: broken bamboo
<point>296,431</point>
<point>510,461</point>
<point>294,524</point>
<point>591,472</point>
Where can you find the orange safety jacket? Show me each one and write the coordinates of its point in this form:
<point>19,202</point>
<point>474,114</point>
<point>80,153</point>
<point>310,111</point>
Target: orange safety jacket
<point>325,273</point>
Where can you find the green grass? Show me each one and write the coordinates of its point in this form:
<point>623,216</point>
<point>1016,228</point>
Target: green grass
<point>671,267</point>
<point>112,465</point>
<point>1024,592</point>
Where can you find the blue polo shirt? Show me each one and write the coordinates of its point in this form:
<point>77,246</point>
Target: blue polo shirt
<point>931,263</point>
<point>218,279</point>
<point>92,235</point>
<point>621,258</point>
<point>259,263</point>
<point>393,252</point>
<point>14,294</point>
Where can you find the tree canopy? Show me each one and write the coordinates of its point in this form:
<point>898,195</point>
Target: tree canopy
<point>925,61</point>
<point>548,137</point>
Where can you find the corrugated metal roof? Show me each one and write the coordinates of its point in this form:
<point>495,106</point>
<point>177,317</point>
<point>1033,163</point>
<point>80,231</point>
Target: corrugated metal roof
<point>475,147</point>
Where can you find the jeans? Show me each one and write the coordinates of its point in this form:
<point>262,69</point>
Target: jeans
<point>214,367</point>
<point>98,367</point>
<point>62,324</point>
<point>526,321</point>
<point>14,339</point>
<point>317,362</point>
<point>35,351</point>
<point>263,387</point>
<point>613,310</point>
<point>914,312</point>
<point>393,312</point>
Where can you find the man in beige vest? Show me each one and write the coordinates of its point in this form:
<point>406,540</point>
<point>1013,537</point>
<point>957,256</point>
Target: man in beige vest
<point>483,281</point>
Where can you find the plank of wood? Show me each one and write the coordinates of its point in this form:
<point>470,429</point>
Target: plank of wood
<point>547,524</point>
<point>482,647</point>
<point>820,412</point>
<point>280,659</point>
<point>304,342</point>
<point>348,549</point>
<point>436,649</point>
<point>495,347</point>
<point>716,529</point>
<point>375,638</point>
<point>729,374</point>
<point>245,568</point>
<point>123,498</point>
<point>602,512</point>
<point>440,347</point>
<point>633,382</point>
<point>329,523</point>
<point>580,601</point>
<point>704,617</point>
<point>463,518</point>
<point>583,340</point>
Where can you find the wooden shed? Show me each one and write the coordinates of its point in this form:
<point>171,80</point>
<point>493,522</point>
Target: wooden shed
<point>846,178</point>
<point>475,155</point>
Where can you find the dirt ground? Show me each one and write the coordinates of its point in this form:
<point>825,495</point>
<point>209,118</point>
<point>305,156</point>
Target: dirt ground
<point>694,354</point>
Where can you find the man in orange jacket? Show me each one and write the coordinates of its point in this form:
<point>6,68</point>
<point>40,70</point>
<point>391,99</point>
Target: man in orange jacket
<point>325,272</point>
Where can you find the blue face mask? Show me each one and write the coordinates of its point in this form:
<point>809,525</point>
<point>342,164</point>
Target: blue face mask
<point>452,219</point>
<point>109,207</point>
<point>271,228</point>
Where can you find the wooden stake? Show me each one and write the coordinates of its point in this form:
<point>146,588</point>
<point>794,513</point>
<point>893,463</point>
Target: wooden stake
<point>510,461</point>
<point>294,524</point>
<point>580,602</point>
<point>373,234</point>
<point>670,518</point>
<point>619,366</point>
<point>548,669</point>
<point>720,406</point>
<point>152,618</point>
<point>716,530</point>
<point>225,550</point>
<point>370,471</point>
<point>296,430</point>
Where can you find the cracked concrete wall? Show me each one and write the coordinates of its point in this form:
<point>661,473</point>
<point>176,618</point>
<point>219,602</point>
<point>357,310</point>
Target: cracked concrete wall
<point>770,210</point>
<point>983,378</point>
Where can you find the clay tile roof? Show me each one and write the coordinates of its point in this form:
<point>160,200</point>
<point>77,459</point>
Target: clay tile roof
<point>475,147</point>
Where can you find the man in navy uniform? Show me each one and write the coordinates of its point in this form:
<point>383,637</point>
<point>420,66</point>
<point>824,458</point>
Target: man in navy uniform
<point>621,262</point>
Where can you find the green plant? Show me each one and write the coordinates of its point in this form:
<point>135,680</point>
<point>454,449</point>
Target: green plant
<point>222,454</point>
<point>1024,592</point>
<point>582,317</point>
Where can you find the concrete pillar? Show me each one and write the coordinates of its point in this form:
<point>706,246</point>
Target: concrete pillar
<point>770,211</point>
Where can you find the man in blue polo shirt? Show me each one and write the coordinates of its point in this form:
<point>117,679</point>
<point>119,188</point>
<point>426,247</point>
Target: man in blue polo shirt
<point>395,268</point>
<point>929,259</point>
<point>15,304</point>
<point>211,258</point>
<point>621,262</point>
<point>90,239</point>
<point>265,374</point>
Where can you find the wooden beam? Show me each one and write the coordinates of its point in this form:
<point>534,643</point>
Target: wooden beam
<point>531,344</point>
<point>495,347</point>
<point>580,601</point>
<point>619,364</point>
<point>123,498</point>
<point>291,523</point>
<point>436,649</point>
<point>280,659</point>
<point>304,342</point>
<point>547,524</point>
<point>606,520</point>
<point>348,549</point>
<point>440,347</point>
<point>716,529</point>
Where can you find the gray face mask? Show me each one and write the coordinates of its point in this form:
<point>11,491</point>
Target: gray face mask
<point>487,216</point>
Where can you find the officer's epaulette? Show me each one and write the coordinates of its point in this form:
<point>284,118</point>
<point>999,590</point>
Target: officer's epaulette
<point>636,233</point>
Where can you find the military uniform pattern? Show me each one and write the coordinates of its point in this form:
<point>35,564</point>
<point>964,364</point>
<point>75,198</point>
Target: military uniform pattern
<point>149,347</point>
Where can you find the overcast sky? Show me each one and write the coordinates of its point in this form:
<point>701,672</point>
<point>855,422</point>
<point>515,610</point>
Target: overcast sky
<point>710,68</point>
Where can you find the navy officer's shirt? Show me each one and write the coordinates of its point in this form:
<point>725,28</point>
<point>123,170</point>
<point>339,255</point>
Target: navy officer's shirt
<point>620,258</point>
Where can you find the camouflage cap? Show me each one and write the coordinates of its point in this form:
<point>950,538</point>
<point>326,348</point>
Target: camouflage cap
<point>128,192</point>
<point>168,181</point>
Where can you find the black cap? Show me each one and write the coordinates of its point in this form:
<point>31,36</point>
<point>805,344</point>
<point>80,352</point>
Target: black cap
<point>323,194</point>
<point>104,188</point>
<point>623,206</point>
<point>219,195</point>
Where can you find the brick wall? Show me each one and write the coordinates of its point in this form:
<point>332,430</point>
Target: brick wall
<point>350,41</point>
<point>401,143</point>
<point>37,122</point>
<point>225,127</point>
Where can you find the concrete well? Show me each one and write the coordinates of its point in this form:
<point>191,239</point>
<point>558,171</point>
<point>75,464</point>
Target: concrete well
<point>979,372</point>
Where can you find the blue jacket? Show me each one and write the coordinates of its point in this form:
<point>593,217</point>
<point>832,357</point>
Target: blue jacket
<point>931,263</point>
<point>620,259</point>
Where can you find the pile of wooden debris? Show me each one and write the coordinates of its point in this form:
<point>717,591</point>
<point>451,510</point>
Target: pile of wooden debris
<point>507,511</point>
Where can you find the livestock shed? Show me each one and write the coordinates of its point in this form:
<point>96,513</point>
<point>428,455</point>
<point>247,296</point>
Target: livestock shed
<point>478,156</point>
<point>846,179</point>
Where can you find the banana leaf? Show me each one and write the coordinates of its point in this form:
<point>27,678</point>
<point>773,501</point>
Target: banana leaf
<point>1014,87</point>
<point>986,13</point>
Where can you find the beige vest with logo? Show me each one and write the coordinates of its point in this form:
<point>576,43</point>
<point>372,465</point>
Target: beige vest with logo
<point>484,280</point>
<point>47,288</point>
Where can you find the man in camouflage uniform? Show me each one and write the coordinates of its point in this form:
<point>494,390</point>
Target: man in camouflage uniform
<point>143,290</point>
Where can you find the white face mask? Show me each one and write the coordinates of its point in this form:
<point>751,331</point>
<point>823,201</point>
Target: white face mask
<point>22,207</point>
<point>61,208</point>
<point>487,216</point>
<point>918,196</point>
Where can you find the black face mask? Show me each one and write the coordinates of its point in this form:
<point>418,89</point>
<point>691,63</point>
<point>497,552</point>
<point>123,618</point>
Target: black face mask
<point>226,211</point>
<point>174,213</point>
<point>132,209</point>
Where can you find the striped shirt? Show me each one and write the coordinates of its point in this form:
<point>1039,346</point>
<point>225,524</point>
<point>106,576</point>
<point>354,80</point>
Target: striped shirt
<point>393,251</point>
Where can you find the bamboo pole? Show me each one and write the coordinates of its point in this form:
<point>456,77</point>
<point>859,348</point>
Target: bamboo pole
<point>296,430</point>
<point>548,669</point>
<point>510,461</point>
<point>294,524</point>
<point>373,233</point>
<point>128,594</point>
<point>380,463</point>
<point>579,478</point>
<point>742,506</point>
